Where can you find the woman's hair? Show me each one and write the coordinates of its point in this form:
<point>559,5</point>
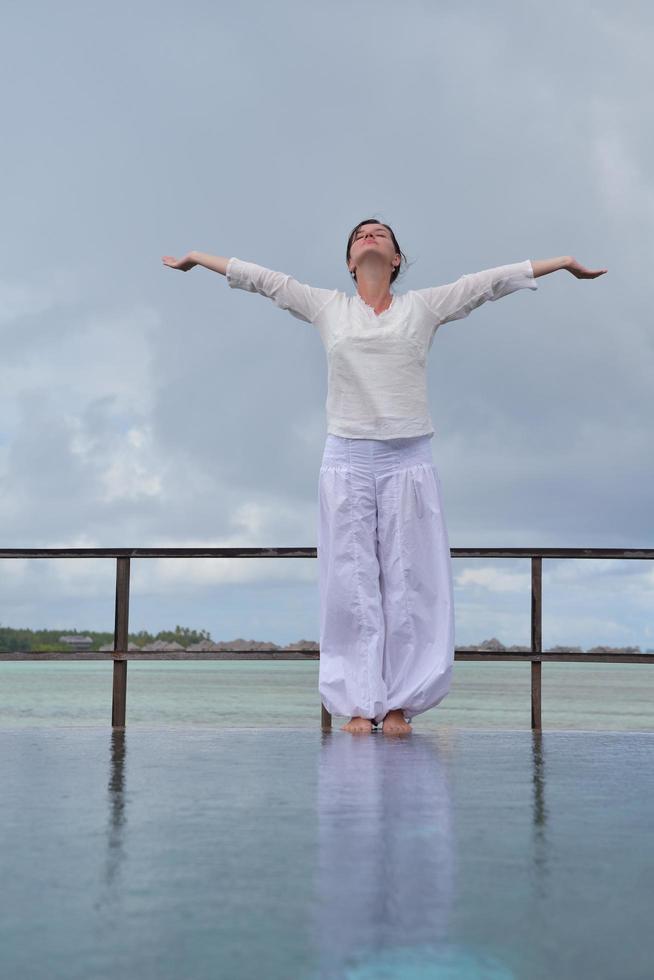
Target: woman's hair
<point>375,221</point>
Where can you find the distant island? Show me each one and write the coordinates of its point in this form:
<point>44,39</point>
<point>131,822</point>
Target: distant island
<point>182,638</point>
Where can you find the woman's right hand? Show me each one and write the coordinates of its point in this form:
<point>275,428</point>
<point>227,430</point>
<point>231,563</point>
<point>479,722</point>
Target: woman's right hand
<point>184,264</point>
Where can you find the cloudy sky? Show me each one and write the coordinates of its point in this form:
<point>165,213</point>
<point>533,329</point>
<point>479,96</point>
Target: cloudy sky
<point>145,406</point>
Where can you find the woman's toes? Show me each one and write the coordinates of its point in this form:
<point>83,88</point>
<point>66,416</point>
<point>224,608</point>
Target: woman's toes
<point>396,726</point>
<point>357,725</point>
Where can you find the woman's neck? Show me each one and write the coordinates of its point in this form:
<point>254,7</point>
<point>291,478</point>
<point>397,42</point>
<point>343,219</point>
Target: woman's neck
<point>375,291</point>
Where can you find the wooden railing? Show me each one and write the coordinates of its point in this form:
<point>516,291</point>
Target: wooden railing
<point>121,654</point>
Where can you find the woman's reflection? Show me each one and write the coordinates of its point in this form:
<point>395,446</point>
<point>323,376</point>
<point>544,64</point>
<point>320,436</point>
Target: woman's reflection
<point>386,862</point>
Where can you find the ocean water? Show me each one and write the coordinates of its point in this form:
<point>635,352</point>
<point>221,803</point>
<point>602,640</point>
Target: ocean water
<point>261,694</point>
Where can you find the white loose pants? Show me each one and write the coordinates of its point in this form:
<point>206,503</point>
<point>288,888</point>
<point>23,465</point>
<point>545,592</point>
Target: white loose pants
<point>385,579</point>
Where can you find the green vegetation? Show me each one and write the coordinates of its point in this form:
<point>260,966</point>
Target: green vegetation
<point>47,641</point>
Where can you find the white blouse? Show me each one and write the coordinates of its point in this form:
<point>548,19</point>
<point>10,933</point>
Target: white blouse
<point>377,363</point>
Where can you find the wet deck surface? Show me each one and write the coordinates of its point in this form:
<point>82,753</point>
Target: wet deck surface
<point>286,853</point>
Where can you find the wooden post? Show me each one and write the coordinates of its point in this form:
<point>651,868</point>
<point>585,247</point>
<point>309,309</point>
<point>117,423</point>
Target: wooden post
<point>120,644</point>
<point>325,718</point>
<point>536,640</point>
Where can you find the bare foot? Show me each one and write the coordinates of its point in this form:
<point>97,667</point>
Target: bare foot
<point>394,723</point>
<point>357,725</point>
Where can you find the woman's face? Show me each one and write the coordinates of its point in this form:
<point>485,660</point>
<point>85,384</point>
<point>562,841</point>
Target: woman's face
<point>373,238</point>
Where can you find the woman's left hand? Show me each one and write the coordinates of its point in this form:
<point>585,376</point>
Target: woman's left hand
<point>580,272</point>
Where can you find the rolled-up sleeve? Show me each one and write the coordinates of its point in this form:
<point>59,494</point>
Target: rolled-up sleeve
<point>456,300</point>
<point>302,301</point>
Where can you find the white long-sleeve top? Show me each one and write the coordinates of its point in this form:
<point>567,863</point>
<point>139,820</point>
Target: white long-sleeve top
<point>377,363</point>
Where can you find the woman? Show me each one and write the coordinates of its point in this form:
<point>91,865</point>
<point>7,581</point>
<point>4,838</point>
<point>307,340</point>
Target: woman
<point>386,595</point>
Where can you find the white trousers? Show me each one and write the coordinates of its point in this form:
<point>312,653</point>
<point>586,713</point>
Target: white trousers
<point>385,579</point>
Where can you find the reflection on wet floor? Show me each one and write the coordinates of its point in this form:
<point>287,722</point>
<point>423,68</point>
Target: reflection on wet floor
<point>199,853</point>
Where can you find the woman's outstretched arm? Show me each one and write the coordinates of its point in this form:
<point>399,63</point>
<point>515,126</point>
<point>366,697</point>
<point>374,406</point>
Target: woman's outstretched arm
<point>455,300</point>
<point>543,266</point>
<point>301,300</point>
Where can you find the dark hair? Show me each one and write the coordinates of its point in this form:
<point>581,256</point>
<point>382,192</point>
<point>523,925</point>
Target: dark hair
<point>375,221</point>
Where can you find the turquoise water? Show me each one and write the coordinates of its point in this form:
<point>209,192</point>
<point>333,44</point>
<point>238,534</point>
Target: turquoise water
<point>261,694</point>
<point>291,854</point>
